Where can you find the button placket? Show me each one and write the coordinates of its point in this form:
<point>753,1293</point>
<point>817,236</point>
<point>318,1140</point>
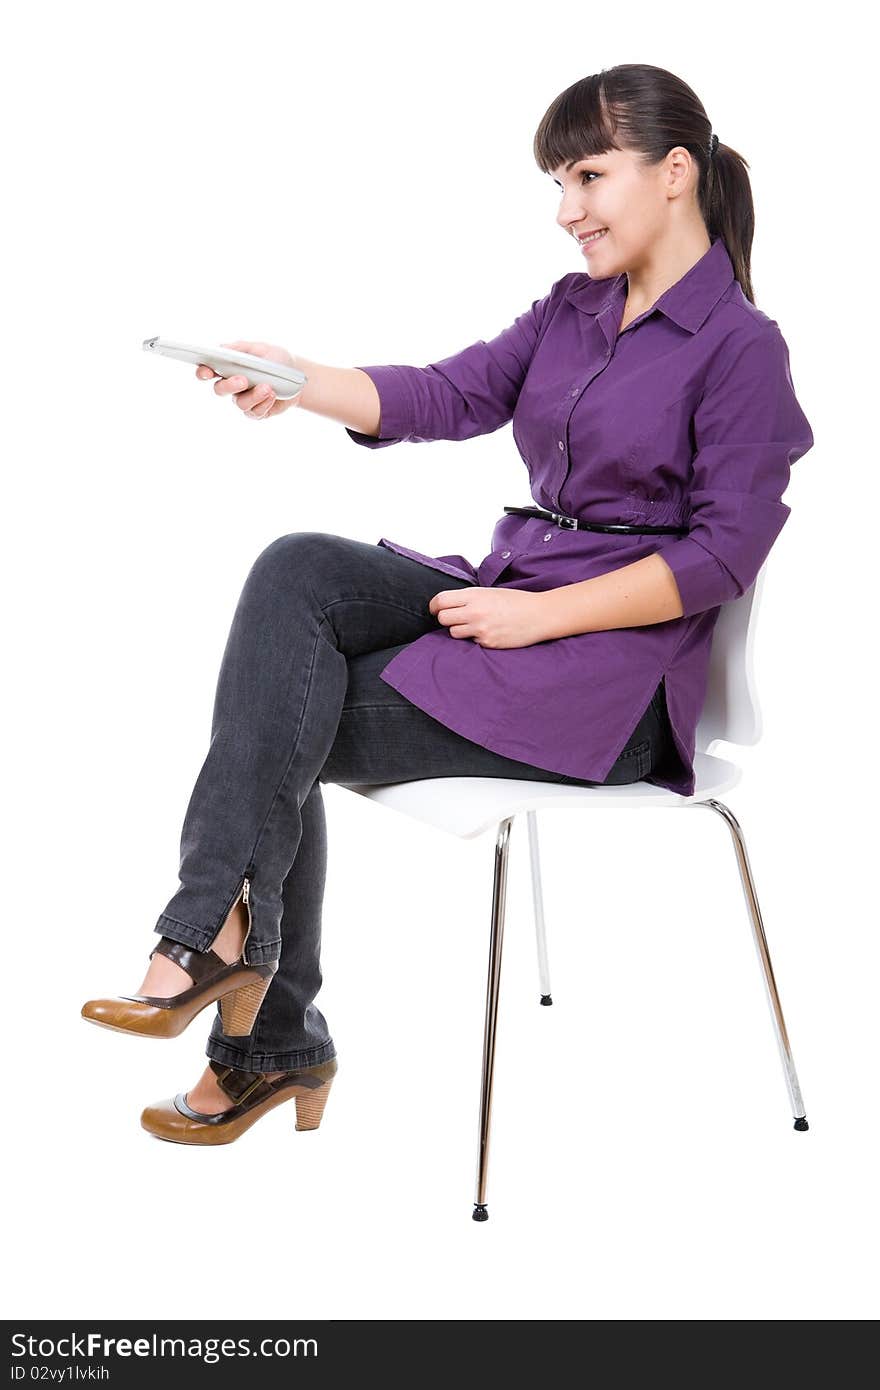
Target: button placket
<point>610,343</point>
<point>568,410</point>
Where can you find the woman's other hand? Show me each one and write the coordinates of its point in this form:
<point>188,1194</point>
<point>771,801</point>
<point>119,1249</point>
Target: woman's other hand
<point>499,617</point>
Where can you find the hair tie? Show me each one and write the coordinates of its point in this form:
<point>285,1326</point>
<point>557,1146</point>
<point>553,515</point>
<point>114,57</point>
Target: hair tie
<point>713,145</point>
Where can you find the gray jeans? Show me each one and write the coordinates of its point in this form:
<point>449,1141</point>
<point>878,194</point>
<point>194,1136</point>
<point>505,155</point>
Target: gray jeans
<point>299,702</point>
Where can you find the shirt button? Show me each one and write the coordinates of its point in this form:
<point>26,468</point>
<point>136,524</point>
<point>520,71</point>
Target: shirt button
<point>549,536</point>
<point>505,554</point>
<point>561,445</point>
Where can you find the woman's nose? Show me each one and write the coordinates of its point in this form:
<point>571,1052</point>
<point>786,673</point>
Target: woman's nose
<point>569,215</point>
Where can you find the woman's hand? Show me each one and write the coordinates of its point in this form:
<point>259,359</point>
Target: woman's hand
<point>256,401</point>
<point>492,617</point>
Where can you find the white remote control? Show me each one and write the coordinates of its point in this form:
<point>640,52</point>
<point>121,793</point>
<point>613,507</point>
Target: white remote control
<point>286,382</point>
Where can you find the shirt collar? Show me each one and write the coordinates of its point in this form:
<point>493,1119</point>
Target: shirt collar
<point>688,302</point>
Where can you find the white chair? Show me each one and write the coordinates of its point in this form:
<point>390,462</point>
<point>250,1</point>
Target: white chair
<point>468,806</point>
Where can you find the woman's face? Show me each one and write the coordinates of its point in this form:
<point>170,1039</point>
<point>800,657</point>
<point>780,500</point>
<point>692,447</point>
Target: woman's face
<point>639,206</point>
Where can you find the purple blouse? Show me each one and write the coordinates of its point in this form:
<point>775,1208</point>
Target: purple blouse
<point>687,417</point>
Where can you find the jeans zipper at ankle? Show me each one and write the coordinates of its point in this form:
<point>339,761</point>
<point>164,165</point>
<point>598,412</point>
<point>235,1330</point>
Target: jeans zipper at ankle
<point>245,897</point>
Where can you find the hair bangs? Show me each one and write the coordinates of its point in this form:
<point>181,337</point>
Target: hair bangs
<point>578,125</point>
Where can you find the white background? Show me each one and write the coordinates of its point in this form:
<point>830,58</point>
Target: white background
<point>357,183</point>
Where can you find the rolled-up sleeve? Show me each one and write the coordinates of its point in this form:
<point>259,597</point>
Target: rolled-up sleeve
<point>472,392</point>
<point>748,431</point>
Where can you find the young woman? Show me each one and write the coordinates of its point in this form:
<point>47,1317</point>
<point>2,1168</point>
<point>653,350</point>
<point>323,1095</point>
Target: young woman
<point>653,406</point>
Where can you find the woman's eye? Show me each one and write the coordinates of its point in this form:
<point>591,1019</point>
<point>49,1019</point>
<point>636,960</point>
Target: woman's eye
<point>585,173</point>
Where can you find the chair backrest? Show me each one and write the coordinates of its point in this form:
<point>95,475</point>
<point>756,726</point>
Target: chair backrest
<point>731,710</point>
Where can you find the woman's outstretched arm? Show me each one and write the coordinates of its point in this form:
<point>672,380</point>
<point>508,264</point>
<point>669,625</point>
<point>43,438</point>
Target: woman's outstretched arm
<point>344,394</point>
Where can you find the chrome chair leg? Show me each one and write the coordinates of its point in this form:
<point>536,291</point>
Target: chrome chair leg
<point>748,883</point>
<point>499,896</point>
<point>538,900</point>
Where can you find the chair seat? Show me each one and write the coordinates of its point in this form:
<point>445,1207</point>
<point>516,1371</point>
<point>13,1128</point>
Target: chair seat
<point>468,806</point>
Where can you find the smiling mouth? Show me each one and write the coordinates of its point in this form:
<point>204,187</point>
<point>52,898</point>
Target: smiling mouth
<point>594,236</point>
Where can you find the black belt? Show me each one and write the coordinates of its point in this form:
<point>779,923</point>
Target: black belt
<point>572,523</point>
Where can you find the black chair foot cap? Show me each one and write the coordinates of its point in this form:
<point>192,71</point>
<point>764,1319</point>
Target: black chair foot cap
<point>545,999</point>
<point>801,1123</point>
<point>480,1213</point>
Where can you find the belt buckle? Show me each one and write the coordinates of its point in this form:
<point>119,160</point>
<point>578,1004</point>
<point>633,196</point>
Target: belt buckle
<point>566,522</point>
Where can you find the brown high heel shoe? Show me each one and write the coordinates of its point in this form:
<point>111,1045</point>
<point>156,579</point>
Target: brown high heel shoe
<point>254,1095</point>
<point>241,989</point>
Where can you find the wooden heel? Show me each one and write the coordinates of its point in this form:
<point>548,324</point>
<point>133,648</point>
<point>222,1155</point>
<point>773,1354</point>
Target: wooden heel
<point>310,1106</point>
<point>238,1010</point>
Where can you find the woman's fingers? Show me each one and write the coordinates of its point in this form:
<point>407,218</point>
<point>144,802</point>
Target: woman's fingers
<point>261,404</point>
<point>253,400</point>
<point>256,401</point>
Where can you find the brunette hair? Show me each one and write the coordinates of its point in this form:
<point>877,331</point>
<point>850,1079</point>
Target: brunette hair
<point>648,110</point>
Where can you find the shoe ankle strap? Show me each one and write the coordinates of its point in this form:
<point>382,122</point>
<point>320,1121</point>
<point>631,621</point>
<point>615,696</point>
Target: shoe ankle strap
<point>236,1084</point>
<point>199,965</point>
